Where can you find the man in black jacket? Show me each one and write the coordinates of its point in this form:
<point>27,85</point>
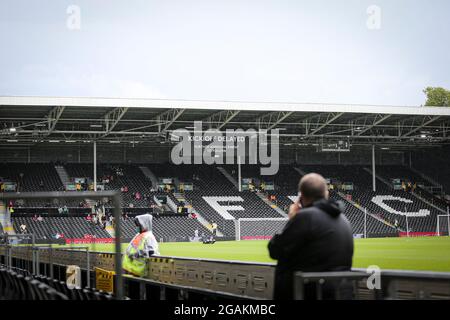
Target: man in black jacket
<point>317,237</point>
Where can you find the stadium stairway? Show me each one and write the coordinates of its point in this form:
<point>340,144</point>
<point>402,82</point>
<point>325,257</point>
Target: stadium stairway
<point>110,229</point>
<point>6,225</point>
<point>181,198</point>
<point>150,176</point>
<point>300,171</point>
<point>412,193</point>
<point>63,175</point>
<point>364,210</point>
<point>229,177</point>
<point>353,211</point>
<point>427,202</point>
<point>427,178</point>
<point>263,197</point>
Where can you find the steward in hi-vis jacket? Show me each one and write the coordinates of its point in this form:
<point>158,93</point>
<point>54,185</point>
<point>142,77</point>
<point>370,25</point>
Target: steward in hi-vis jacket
<point>142,246</point>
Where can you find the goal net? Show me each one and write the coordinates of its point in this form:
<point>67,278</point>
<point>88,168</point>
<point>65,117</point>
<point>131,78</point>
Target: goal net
<point>258,228</point>
<point>443,225</point>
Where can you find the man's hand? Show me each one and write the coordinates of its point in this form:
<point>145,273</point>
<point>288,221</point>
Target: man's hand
<point>294,208</point>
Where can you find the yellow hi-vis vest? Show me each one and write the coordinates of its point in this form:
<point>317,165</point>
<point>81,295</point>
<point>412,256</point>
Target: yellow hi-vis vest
<point>133,262</point>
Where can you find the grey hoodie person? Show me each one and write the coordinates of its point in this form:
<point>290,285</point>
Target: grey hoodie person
<point>146,222</point>
<point>151,246</point>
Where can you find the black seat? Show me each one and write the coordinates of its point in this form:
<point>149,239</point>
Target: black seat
<point>52,294</point>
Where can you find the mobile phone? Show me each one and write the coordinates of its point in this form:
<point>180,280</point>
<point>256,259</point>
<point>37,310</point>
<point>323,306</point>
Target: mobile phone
<point>300,199</point>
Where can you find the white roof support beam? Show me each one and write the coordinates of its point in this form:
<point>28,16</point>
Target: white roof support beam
<point>378,120</point>
<point>53,117</point>
<point>331,118</point>
<point>167,118</point>
<point>273,119</point>
<point>221,118</point>
<point>112,118</point>
<point>426,121</point>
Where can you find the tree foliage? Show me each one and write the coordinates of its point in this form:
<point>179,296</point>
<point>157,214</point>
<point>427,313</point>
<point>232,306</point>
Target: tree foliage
<point>437,97</point>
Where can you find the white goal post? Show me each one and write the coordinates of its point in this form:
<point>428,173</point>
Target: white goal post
<point>443,224</point>
<point>258,228</point>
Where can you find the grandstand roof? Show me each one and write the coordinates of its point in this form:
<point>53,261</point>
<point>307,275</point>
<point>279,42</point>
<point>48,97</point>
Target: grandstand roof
<point>49,119</point>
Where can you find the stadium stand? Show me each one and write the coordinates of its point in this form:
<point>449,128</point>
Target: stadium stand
<point>69,227</point>
<point>167,228</point>
<point>213,192</point>
<point>209,186</point>
<point>133,136</point>
<point>286,184</point>
<point>398,201</point>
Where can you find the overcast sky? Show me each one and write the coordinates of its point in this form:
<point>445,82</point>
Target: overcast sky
<point>255,50</point>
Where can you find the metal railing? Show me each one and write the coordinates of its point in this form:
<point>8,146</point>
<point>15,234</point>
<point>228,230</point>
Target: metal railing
<point>391,284</point>
<point>115,196</point>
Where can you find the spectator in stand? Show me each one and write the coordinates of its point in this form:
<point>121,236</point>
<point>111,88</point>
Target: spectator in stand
<point>35,217</point>
<point>41,184</point>
<point>137,196</point>
<point>11,207</point>
<point>23,228</point>
<point>40,219</point>
<point>317,238</point>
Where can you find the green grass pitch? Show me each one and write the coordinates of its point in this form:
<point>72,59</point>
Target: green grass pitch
<point>426,253</point>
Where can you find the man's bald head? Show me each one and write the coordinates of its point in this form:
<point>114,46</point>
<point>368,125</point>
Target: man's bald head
<point>313,187</point>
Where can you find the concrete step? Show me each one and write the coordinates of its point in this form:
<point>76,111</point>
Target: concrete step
<point>300,171</point>
<point>263,197</point>
<point>180,197</point>
<point>364,210</point>
<point>412,193</point>
<point>63,175</point>
<point>5,219</point>
<point>150,175</point>
<point>229,177</point>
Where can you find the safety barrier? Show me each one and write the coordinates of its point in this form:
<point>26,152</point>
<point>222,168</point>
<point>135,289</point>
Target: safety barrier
<point>359,284</point>
<point>187,278</point>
